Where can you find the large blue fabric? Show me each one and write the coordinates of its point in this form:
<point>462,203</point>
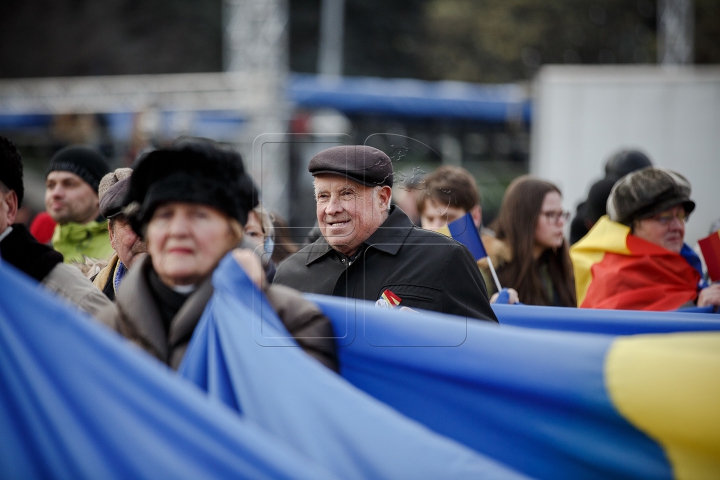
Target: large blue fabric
<point>77,401</point>
<point>533,399</point>
<point>610,322</point>
<point>239,354</point>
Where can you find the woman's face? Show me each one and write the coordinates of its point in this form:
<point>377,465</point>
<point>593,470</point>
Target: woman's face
<point>550,223</point>
<point>253,229</point>
<point>186,241</point>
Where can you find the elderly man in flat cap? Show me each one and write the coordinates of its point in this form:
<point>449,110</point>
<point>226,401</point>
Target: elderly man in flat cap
<point>71,199</point>
<point>123,239</point>
<point>371,250</point>
<point>635,258</point>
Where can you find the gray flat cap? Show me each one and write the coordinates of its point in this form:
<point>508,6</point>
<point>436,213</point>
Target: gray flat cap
<point>366,165</point>
<point>647,192</point>
<point>112,190</point>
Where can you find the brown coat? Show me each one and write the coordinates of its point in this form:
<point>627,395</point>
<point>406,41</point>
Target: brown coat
<point>137,317</point>
<point>500,254</point>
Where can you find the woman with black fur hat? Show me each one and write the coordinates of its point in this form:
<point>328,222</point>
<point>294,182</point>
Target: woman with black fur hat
<point>190,203</point>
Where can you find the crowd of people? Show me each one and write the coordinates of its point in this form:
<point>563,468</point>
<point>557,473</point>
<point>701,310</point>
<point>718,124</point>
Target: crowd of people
<point>136,248</point>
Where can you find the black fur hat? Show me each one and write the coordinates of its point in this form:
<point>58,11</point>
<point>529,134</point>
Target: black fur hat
<point>194,173</point>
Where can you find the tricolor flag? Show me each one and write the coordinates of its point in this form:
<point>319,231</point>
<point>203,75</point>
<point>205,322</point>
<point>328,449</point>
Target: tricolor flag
<point>568,400</point>
<point>710,247</point>
<point>617,270</point>
<point>463,230</point>
<point>391,298</point>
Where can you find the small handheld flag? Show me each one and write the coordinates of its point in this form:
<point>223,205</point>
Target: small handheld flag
<point>710,247</point>
<point>463,230</point>
<point>392,299</point>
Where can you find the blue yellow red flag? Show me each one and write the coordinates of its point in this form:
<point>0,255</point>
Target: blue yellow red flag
<point>552,404</point>
<point>464,231</point>
<point>424,395</point>
<point>617,270</point>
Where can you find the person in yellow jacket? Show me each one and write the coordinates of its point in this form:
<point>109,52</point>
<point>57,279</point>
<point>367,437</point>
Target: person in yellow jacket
<point>71,199</point>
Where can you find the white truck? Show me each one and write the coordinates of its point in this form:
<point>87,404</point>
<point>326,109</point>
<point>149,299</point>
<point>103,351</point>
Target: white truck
<point>583,114</point>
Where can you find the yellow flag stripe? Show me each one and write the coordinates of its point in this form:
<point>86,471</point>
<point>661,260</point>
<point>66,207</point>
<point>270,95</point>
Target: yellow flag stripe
<point>668,386</point>
<point>605,236</point>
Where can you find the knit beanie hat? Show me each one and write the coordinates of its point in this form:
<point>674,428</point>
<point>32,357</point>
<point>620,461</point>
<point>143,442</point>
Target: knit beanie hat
<point>11,168</point>
<point>193,173</point>
<point>647,192</point>
<point>624,162</point>
<point>112,191</point>
<point>84,162</point>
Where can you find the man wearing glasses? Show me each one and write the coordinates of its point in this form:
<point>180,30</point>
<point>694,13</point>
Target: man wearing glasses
<point>636,258</point>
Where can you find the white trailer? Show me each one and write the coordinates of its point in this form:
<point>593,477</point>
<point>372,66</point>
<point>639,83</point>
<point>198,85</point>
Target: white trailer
<point>582,115</point>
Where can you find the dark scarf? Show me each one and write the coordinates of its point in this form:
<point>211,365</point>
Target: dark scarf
<point>168,300</point>
<point>21,250</point>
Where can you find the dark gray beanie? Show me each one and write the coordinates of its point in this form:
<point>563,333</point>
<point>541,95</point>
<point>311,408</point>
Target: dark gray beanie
<point>647,192</point>
<point>366,165</point>
<point>624,162</point>
<point>84,162</point>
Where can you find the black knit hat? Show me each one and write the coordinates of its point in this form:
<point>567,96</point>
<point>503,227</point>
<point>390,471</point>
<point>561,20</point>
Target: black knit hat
<point>624,162</point>
<point>11,168</point>
<point>647,192</point>
<point>84,162</point>
<point>194,173</point>
<point>366,165</point>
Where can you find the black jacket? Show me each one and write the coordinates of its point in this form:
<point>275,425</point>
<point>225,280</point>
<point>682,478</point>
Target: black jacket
<point>425,269</point>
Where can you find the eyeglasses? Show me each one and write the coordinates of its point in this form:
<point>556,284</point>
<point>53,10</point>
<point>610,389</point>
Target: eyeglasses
<point>666,218</point>
<point>553,217</point>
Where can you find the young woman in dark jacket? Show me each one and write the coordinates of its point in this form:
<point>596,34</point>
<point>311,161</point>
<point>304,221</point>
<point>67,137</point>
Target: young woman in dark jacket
<point>533,253</point>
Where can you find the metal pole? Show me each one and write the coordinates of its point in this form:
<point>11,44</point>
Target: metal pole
<point>332,28</point>
<point>676,25</point>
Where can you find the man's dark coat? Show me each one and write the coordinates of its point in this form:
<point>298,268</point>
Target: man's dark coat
<point>425,269</point>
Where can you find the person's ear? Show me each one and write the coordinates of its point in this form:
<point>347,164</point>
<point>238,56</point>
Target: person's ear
<point>384,196</point>
<point>11,201</point>
<point>476,214</point>
<point>111,234</point>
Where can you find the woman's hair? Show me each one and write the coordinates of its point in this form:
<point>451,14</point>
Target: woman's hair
<point>266,220</point>
<point>515,225</point>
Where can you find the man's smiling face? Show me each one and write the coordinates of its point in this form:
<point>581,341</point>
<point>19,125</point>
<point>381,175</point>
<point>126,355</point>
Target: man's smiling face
<point>348,212</point>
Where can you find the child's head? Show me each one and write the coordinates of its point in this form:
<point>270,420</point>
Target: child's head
<point>450,192</point>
